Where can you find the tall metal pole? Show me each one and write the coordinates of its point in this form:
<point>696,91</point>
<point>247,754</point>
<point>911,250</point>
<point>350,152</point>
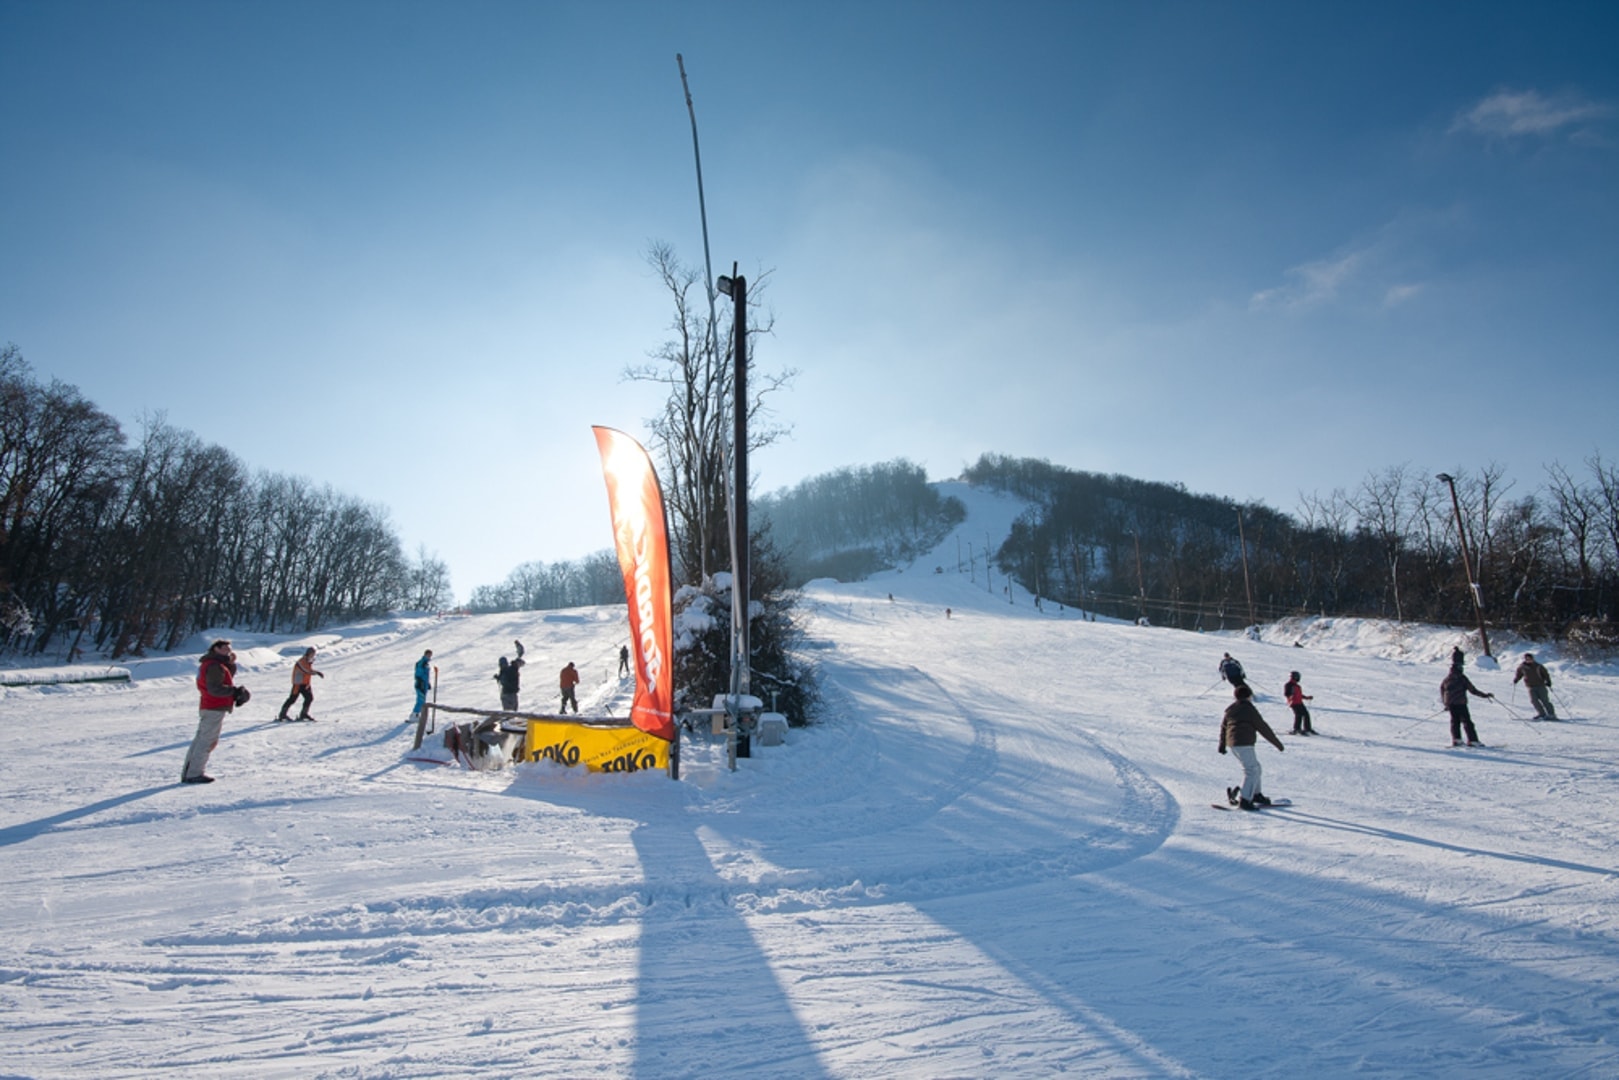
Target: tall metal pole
<point>736,287</point>
<point>1467,563</point>
<point>1246,587</point>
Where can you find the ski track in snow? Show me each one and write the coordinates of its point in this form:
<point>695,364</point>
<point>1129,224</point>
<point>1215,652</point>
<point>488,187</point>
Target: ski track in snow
<point>993,856</point>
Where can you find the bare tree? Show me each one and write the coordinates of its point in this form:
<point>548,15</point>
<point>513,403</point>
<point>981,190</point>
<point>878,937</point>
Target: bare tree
<point>1578,515</point>
<point>693,430</point>
<point>1381,505</point>
<point>429,582</point>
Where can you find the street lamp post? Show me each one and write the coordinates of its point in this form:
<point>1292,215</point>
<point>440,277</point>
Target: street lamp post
<point>736,287</point>
<point>1467,564</point>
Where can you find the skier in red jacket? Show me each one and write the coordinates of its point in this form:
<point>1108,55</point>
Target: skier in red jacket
<point>216,681</point>
<point>569,680</point>
<point>1296,697</point>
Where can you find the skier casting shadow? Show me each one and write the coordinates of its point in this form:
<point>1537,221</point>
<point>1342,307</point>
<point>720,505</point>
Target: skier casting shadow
<point>1239,729</point>
<point>1453,691</point>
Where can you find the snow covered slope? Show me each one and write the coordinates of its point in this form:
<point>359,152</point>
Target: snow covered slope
<point>994,856</point>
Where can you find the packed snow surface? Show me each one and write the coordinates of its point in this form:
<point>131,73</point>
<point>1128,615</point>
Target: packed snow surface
<point>994,855</point>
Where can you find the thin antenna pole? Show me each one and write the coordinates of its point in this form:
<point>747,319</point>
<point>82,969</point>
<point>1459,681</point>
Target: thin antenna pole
<point>702,206</point>
<point>713,315</point>
<point>739,537</point>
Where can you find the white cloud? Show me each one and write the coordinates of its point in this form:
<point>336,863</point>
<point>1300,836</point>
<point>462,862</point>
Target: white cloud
<point>1509,114</point>
<point>1399,294</point>
<point>1311,283</point>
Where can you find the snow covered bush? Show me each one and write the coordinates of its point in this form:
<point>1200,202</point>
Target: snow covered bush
<point>780,677</point>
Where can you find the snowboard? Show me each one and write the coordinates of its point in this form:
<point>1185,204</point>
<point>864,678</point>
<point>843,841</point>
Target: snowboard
<point>1275,804</point>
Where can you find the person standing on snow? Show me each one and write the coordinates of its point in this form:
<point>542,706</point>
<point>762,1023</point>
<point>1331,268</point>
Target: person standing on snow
<point>1239,729</point>
<point>1232,672</point>
<point>216,681</point>
<point>569,680</point>
<point>510,679</point>
<point>1453,692</point>
<point>423,682</point>
<point>623,659</point>
<point>1539,681</point>
<point>1296,697</point>
<point>302,673</point>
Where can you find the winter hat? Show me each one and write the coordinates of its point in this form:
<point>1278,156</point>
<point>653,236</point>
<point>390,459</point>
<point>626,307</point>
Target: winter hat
<point>1293,675</point>
<point>1244,693</point>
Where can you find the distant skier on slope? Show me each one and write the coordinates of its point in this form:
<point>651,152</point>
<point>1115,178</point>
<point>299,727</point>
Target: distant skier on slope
<point>1453,692</point>
<point>1534,675</point>
<point>1239,729</point>
<point>1232,672</point>
<point>1296,697</point>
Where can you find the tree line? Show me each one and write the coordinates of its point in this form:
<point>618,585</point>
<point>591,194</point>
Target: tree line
<point>853,521</point>
<point>1545,562</point>
<point>119,548</point>
<point>539,586</point>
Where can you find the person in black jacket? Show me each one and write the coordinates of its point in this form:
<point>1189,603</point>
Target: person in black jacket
<point>1453,692</point>
<point>1232,672</point>
<point>1239,729</point>
<point>509,677</point>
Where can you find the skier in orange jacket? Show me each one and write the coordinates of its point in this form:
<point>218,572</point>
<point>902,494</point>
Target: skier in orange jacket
<point>303,673</point>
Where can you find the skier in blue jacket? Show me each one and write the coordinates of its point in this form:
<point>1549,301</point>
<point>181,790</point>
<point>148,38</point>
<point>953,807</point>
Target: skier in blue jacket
<point>423,683</point>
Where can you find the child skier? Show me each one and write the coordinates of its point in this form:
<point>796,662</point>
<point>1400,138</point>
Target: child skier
<point>1296,697</point>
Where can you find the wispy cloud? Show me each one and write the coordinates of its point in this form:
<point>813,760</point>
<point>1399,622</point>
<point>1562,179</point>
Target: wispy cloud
<point>1311,283</point>
<point>1396,295</point>
<point>1508,114</point>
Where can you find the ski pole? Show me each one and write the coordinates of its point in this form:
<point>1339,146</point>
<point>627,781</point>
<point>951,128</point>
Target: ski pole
<point>1515,716</point>
<point>1424,720</point>
<point>432,718</point>
<point>1216,682</point>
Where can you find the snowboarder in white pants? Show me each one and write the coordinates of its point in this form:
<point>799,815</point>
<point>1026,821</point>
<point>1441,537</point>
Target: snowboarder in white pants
<point>1239,730</point>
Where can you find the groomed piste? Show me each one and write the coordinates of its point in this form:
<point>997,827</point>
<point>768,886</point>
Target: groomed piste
<point>994,854</point>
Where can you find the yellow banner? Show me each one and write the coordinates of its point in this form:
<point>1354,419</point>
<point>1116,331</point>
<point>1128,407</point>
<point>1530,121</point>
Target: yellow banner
<point>599,749</point>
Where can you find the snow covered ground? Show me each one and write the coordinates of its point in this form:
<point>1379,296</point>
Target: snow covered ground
<point>995,855</point>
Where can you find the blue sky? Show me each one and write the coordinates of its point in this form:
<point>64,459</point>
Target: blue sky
<point>1258,249</point>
